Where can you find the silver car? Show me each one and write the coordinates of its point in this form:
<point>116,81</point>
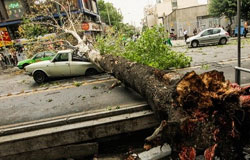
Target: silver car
<point>209,36</point>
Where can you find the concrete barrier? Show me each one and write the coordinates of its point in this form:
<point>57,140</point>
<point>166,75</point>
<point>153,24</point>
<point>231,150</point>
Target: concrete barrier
<point>75,130</point>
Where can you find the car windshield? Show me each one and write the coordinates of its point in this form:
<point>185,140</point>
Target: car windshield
<point>38,55</point>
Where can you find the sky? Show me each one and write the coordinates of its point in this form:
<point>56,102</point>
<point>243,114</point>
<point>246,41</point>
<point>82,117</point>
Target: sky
<point>132,10</point>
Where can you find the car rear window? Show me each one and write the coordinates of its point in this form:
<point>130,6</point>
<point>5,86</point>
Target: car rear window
<point>216,31</point>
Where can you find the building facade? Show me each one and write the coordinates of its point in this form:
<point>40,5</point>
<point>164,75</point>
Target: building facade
<point>12,12</point>
<point>177,15</point>
<point>149,19</point>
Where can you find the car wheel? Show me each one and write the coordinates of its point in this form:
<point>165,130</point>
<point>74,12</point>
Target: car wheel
<point>195,44</point>
<point>91,72</point>
<point>39,77</point>
<point>223,41</point>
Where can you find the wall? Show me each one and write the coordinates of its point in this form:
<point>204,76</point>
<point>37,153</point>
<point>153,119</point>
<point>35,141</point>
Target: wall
<point>187,18</point>
<point>150,20</point>
<point>190,3</point>
<point>164,7</point>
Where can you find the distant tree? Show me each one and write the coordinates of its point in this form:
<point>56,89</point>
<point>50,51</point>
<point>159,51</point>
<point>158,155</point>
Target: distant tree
<point>245,10</point>
<point>107,10</point>
<point>127,29</point>
<point>228,8</point>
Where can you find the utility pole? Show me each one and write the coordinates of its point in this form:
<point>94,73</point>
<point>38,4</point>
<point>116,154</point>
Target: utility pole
<point>237,71</point>
<point>108,14</point>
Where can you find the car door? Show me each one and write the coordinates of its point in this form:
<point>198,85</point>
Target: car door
<point>215,37</point>
<point>206,37</point>
<point>60,66</point>
<point>78,65</point>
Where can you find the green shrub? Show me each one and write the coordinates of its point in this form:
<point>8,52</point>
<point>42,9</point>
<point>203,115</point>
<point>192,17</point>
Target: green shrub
<point>150,49</point>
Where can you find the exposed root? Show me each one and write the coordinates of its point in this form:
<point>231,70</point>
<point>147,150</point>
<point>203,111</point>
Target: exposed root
<point>157,132</point>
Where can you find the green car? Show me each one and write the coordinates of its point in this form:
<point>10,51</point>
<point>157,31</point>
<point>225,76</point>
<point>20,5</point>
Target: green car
<point>41,56</point>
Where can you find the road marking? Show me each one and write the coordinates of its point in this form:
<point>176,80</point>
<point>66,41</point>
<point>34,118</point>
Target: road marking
<point>36,91</point>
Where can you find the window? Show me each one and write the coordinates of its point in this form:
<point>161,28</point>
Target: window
<point>94,5</point>
<point>39,55</point>
<point>61,57</point>
<point>87,4</point>
<point>207,33</point>
<point>76,57</point>
<point>49,54</point>
<point>216,31</point>
<point>174,4</point>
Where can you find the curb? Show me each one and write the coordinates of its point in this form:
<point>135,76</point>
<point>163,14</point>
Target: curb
<point>70,119</point>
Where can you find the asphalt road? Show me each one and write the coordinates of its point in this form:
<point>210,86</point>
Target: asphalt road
<point>60,101</point>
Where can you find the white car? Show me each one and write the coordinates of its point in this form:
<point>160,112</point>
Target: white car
<point>209,36</point>
<point>65,63</point>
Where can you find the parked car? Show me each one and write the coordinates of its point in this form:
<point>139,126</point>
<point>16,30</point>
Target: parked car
<point>41,56</point>
<point>65,63</point>
<point>209,36</point>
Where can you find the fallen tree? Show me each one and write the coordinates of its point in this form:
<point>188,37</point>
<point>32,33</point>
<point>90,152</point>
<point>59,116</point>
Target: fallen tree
<point>200,114</point>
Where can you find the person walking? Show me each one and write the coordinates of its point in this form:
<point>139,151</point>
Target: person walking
<point>185,35</point>
<point>2,61</point>
<point>195,31</point>
<point>245,29</point>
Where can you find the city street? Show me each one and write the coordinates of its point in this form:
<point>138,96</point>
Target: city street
<point>76,76</point>
<point>18,91</point>
<point>220,57</point>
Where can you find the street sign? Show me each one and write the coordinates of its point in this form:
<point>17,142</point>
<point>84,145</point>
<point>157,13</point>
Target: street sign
<point>85,26</point>
<point>5,39</point>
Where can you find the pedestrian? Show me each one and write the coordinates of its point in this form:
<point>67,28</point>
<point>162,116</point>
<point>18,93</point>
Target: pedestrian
<point>169,41</point>
<point>229,29</point>
<point>12,61</point>
<point>15,58</point>
<point>195,31</point>
<point>245,29</point>
<point>2,61</point>
<point>185,35</point>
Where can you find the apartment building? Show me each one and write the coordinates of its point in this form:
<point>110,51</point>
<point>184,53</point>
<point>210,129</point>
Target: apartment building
<point>177,15</point>
<point>12,13</point>
<point>149,19</point>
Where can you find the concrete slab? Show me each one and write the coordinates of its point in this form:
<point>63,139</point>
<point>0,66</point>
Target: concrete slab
<point>75,133</point>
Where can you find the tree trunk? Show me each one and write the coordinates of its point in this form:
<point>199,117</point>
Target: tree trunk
<point>201,113</point>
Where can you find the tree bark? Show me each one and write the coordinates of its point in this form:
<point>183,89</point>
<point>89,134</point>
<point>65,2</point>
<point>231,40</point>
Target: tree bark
<point>201,113</point>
